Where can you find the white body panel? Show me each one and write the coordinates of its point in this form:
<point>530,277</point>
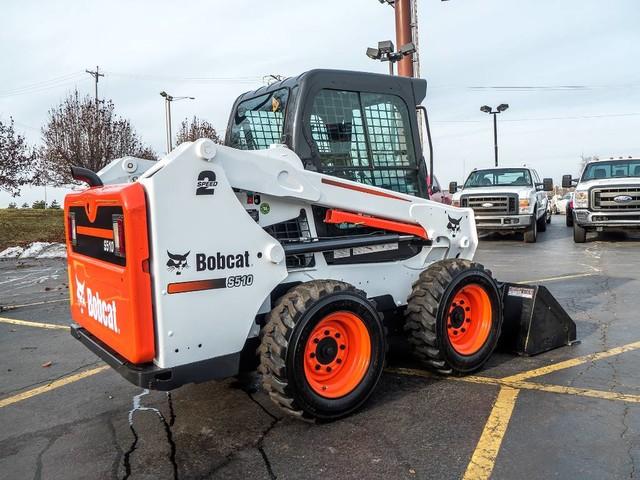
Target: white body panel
<point>200,325</point>
<point>124,170</point>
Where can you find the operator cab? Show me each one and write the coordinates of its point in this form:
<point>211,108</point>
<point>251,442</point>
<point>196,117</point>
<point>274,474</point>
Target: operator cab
<point>352,125</point>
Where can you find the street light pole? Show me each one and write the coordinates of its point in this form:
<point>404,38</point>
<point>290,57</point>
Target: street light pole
<point>501,108</point>
<point>167,111</point>
<point>495,135</point>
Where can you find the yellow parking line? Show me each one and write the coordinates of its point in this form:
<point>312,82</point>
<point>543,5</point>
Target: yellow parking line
<point>581,392</point>
<point>25,323</point>
<point>574,362</point>
<point>561,277</point>
<point>51,386</point>
<point>484,457</point>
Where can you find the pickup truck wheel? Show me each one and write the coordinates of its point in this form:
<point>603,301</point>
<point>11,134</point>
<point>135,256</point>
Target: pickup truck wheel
<point>531,234</point>
<point>542,223</point>
<point>579,233</point>
<point>569,219</point>
<point>322,351</point>
<point>454,316</point>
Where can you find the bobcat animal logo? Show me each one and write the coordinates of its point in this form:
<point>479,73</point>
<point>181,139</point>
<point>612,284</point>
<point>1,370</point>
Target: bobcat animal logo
<point>206,183</point>
<point>80,298</point>
<point>454,225</point>
<point>177,262</point>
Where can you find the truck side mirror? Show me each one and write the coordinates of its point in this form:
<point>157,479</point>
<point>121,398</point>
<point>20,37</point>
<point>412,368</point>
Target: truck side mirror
<point>547,184</point>
<point>567,181</point>
<point>453,187</point>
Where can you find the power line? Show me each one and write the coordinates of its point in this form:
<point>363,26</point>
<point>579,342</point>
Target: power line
<point>43,85</point>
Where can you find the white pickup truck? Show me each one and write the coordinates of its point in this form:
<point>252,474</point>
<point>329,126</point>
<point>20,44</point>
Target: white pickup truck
<point>607,196</point>
<point>506,200</point>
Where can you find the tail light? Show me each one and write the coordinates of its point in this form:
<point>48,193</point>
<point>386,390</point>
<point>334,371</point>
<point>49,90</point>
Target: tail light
<point>118,235</point>
<point>72,229</point>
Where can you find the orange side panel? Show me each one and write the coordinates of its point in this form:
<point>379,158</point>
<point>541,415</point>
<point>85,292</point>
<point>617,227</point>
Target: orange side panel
<point>112,301</point>
<point>338,216</point>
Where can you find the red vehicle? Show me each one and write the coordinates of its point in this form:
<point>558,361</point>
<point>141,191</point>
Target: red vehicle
<point>436,193</point>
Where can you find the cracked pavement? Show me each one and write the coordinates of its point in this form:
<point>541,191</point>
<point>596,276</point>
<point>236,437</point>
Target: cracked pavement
<point>103,427</point>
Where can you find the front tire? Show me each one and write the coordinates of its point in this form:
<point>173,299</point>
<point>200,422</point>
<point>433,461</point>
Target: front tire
<point>531,234</point>
<point>322,351</point>
<point>569,219</point>
<point>579,233</point>
<point>454,316</point>
<point>542,223</point>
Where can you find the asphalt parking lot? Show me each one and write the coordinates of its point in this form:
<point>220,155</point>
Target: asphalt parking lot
<point>570,413</point>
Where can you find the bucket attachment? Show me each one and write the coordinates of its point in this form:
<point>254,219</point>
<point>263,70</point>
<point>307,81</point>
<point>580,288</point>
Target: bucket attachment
<point>534,321</point>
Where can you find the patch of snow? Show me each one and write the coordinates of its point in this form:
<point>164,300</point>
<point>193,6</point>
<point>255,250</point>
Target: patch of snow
<point>11,252</point>
<point>36,250</point>
<point>56,250</point>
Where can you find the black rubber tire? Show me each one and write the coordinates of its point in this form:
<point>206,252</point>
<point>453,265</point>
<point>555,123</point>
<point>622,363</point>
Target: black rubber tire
<point>542,223</point>
<point>579,233</point>
<point>531,233</point>
<point>284,336</point>
<point>569,218</point>
<point>426,315</point>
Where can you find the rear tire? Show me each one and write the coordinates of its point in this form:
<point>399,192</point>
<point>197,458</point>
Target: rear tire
<point>322,351</point>
<point>454,316</point>
<point>579,233</point>
<point>531,234</point>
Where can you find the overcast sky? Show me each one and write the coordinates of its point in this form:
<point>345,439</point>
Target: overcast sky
<point>581,59</point>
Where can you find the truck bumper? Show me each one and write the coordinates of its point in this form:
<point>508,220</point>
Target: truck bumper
<point>603,219</point>
<point>153,377</point>
<point>504,222</point>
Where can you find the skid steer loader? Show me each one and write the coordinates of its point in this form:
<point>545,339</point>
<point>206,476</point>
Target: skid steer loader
<point>293,240</point>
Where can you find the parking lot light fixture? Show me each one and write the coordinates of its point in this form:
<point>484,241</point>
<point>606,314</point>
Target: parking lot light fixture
<point>500,108</point>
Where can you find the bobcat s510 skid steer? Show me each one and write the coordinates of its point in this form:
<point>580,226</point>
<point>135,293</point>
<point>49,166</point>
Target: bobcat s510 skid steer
<point>283,249</point>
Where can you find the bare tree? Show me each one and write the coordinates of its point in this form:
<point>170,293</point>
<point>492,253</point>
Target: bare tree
<point>195,129</point>
<point>584,160</point>
<point>87,134</point>
<point>16,159</point>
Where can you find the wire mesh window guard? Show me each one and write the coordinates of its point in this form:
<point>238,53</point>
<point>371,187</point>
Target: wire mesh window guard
<point>259,122</point>
<point>366,138</point>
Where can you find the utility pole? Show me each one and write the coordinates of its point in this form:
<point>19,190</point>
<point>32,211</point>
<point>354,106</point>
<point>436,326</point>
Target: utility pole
<point>403,35</point>
<point>96,75</point>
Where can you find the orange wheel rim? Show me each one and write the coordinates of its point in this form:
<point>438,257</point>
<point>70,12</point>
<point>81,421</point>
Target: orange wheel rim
<point>337,354</point>
<point>469,319</point>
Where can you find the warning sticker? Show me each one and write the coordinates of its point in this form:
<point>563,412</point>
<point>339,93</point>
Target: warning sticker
<point>342,253</point>
<point>522,292</point>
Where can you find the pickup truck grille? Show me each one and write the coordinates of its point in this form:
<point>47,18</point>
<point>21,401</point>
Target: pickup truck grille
<point>491,204</point>
<point>604,198</point>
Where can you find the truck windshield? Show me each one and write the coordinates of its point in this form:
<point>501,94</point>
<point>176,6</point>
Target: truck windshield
<point>612,169</point>
<point>519,177</point>
<point>258,122</point>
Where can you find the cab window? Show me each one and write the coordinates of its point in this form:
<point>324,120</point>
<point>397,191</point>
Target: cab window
<point>365,137</point>
<point>259,122</point>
